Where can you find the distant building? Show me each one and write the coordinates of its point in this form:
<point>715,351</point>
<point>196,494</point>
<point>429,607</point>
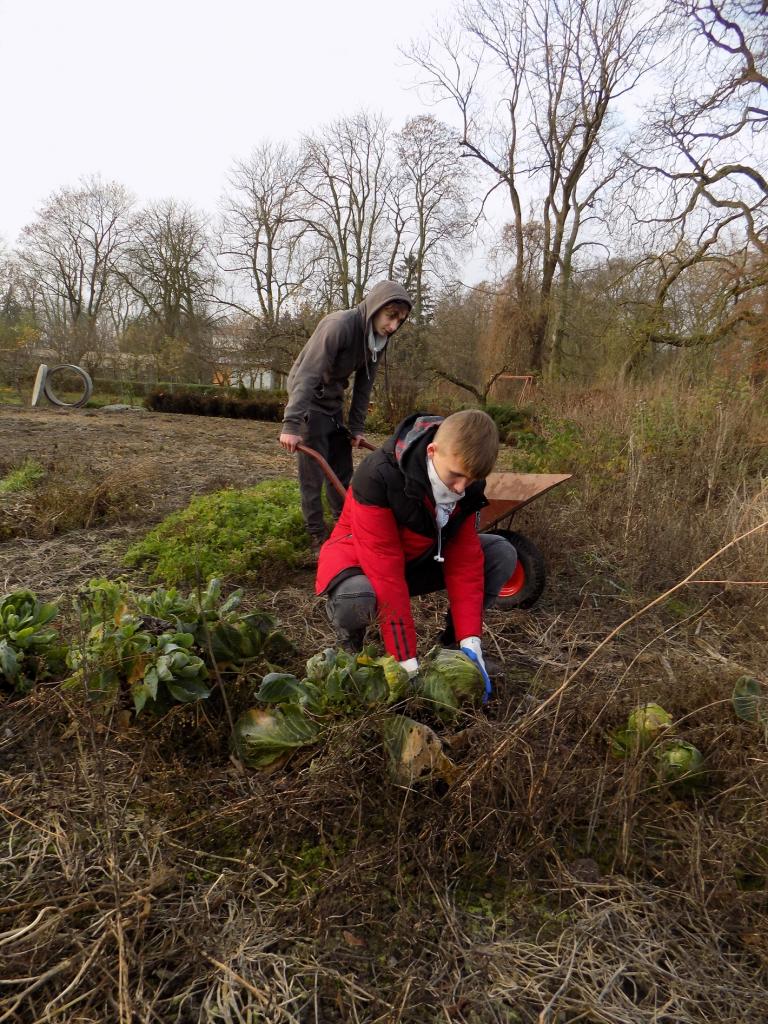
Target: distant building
<point>254,379</point>
<point>236,364</point>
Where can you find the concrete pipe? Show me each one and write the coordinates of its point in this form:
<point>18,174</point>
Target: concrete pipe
<point>86,382</point>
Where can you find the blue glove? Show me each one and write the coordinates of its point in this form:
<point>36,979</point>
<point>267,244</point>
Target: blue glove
<point>476,656</point>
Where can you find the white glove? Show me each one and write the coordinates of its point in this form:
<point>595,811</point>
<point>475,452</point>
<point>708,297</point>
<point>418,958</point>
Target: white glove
<point>411,666</point>
<point>472,643</point>
<point>472,649</point>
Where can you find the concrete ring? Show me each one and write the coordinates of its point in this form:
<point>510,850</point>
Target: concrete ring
<point>87,384</point>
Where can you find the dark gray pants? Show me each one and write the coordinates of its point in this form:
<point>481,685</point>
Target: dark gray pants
<point>351,605</point>
<point>328,437</point>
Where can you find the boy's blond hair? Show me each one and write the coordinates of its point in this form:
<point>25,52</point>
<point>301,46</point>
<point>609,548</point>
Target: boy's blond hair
<point>472,437</point>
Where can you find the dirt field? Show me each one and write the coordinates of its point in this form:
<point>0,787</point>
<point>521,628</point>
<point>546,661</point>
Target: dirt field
<point>148,878</point>
<point>176,457</point>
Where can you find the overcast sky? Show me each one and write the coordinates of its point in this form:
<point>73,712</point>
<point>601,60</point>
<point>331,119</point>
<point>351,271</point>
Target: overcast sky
<point>161,95</point>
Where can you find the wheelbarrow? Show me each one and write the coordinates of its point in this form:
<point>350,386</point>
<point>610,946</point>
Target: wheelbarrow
<point>507,493</point>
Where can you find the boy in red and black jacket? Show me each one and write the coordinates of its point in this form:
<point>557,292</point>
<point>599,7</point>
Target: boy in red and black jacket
<point>408,527</point>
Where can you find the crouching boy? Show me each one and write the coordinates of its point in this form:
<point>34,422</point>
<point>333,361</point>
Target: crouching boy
<point>408,527</point>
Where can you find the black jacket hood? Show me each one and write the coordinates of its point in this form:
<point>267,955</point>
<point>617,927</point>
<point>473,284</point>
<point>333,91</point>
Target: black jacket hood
<point>408,446</point>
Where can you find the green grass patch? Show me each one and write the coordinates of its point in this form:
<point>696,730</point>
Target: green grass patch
<point>23,478</point>
<point>231,534</point>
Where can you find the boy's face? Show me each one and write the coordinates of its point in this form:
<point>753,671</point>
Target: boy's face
<point>449,467</point>
<point>387,319</point>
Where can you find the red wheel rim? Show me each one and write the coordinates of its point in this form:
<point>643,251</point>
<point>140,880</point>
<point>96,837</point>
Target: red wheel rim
<point>515,583</point>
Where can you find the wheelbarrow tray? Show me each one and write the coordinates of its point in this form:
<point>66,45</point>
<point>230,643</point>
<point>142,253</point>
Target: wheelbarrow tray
<point>508,492</point>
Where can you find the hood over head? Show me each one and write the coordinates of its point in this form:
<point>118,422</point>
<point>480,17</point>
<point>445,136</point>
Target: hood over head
<point>380,295</point>
<point>415,432</point>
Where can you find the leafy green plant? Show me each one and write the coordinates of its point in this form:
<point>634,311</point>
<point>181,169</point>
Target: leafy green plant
<point>29,647</point>
<point>338,683</point>
<point>23,478</point>
<point>679,762</point>
<point>229,533</point>
<point>120,653</point>
<point>174,665</point>
<point>644,726</point>
<point>160,646</point>
<point>228,636</point>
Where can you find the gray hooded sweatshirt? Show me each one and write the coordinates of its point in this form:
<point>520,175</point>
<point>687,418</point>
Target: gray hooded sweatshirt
<point>337,349</point>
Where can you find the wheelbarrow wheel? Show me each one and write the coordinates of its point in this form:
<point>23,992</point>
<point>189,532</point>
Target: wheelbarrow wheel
<point>526,584</point>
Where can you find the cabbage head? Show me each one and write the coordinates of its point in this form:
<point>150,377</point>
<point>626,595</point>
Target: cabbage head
<point>261,738</point>
<point>367,684</point>
<point>447,680</point>
<point>647,722</point>
<point>355,682</point>
<point>394,674</point>
<point>283,688</point>
<point>319,665</point>
<point>644,725</point>
<point>750,700</point>
<point>436,694</point>
<point>678,761</point>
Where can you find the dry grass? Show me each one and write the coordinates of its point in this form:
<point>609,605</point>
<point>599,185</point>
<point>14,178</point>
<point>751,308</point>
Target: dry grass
<point>662,480</point>
<point>75,497</point>
<point>146,878</point>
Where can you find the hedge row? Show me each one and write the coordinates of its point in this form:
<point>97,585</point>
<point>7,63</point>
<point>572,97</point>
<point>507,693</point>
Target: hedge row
<point>268,406</point>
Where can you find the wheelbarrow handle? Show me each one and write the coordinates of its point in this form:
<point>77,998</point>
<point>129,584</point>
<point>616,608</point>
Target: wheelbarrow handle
<point>330,475</point>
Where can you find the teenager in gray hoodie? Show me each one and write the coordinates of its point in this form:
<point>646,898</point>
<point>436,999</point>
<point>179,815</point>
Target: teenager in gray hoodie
<point>349,342</point>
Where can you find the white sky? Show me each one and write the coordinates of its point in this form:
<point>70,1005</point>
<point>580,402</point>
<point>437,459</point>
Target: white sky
<point>161,95</point>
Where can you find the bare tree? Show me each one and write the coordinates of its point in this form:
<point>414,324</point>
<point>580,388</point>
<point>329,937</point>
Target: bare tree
<point>429,212</point>
<point>346,176</point>
<point>69,256</point>
<point>713,128</point>
<point>262,236</point>
<point>170,269</point>
<point>699,195</point>
<point>693,287</point>
<point>557,70</point>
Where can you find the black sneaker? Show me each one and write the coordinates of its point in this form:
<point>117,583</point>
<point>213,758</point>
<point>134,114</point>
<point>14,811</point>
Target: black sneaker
<point>354,642</point>
<point>315,543</point>
<point>447,638</point>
